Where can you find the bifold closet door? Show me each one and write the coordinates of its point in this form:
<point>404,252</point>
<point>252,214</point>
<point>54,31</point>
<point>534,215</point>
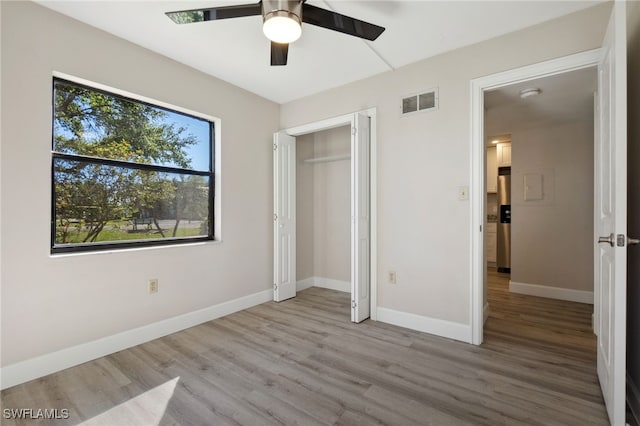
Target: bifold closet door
<point>360,219</point>
<point>284,216</point>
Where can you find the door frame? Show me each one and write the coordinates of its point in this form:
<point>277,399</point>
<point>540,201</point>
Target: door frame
<point>478,266</point>
<point>347,120</point>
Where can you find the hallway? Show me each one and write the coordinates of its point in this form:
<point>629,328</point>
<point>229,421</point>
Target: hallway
<point>555,326</point>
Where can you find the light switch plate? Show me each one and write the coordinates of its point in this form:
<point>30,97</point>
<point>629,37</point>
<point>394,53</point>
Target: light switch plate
<point>463,193</point>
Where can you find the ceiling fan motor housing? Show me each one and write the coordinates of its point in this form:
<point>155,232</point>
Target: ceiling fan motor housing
<point>282,22</point>
<point>284,8</point>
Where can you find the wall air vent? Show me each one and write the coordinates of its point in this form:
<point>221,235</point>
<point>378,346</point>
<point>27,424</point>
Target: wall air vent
<point>422,102</point>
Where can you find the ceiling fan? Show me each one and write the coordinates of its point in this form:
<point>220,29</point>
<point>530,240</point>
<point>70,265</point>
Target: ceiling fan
<point>282,22</point>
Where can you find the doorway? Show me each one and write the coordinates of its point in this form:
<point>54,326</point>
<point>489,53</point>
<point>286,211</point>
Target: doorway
<point>540,200</point>
<point>323,215</point>
<point>540,180</point>
<point>362,208</point>
<point>610,197</point>
<point>556,67</point>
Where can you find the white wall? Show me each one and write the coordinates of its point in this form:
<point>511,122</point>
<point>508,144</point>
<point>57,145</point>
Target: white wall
<point>54,302</point>
<point>423,230</point>
<point>551,238</point>
<point>305,212</point>
<point>332,205</point>
<point>323,206</point>
<point>633,225</point>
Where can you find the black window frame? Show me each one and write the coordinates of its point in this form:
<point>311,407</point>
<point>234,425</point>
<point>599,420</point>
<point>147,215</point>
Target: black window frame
<point>129,244</point>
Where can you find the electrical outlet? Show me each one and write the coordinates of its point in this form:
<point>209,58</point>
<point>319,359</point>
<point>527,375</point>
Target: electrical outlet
<point>153,285</point>
<point>392,277</point>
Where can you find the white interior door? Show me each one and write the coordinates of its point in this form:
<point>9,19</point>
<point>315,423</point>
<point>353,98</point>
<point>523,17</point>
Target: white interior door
<point>611,219</point>
<point>284,216</point>
<point>360,219</point>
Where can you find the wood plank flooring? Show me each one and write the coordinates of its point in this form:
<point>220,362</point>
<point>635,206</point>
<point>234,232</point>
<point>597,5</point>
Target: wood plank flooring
<point>303,362</point>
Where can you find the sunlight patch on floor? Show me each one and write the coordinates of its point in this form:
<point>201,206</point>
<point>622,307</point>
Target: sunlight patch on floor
<point>147,408</point>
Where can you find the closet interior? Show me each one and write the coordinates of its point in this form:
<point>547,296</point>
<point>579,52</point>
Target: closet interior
<point>323,209</point>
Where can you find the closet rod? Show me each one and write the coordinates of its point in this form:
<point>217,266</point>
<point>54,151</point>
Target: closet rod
<point>327,159</point>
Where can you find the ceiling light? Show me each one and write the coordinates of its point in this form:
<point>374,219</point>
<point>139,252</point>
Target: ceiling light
<point>282,26</point>
<point>533,91</point>
<point>495,141</point>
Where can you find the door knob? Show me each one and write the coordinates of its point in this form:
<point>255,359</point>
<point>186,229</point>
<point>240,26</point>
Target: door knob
<point>611,240</point>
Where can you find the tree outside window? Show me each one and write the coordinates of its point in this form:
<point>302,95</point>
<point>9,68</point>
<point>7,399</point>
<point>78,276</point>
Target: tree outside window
<point>126,172</point>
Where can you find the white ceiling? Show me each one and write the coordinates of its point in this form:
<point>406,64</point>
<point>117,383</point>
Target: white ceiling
<point>563,97</point>
<point>235,50</point>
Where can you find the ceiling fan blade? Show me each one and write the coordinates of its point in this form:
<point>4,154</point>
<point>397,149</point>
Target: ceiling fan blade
<point>334,21</point>
<point>279,53</point>
<point>215,13</point>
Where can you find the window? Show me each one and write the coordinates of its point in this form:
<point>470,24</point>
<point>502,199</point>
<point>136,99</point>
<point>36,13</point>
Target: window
<point>127,173</point>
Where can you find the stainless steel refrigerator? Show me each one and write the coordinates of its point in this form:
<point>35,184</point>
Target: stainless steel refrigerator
<point>504,219</point>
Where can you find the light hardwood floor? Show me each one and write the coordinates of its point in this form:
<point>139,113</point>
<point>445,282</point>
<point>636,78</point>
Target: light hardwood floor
<point>303,362</point>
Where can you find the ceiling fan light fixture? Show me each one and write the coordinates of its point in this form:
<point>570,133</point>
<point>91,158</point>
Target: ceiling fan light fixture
<point>282,22</point>
<point>282,26</point>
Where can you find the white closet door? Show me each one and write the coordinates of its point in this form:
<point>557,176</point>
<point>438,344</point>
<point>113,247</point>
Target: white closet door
<point>284,217</point>
<point>360,228</point>
<point>611,216</point>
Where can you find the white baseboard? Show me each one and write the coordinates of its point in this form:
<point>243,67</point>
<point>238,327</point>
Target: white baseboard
<point>551,292</point>
<point>34,368</point>
<point>485,312</point>
<point>322,282</point>
<point>304,284</point>
<point>331,284</point>
<point>438,327</point>
<point>633,398</point>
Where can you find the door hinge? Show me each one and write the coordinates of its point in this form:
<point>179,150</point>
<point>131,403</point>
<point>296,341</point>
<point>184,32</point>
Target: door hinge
<point>275,146</point>
<point>621,239</point>
<point>354,130</point>
<point>354,304</point>
<point>275,217</point>
<point>275,286</point>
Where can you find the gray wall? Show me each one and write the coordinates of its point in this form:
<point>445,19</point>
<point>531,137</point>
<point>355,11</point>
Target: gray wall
<point>324,209</point>
<point>551,241</point>
<point>55,302</point>
<point>633,261</point>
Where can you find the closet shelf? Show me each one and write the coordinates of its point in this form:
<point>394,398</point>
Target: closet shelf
<point>327,159</point>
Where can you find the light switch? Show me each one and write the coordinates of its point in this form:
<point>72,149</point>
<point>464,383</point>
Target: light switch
<point>463,193</point>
